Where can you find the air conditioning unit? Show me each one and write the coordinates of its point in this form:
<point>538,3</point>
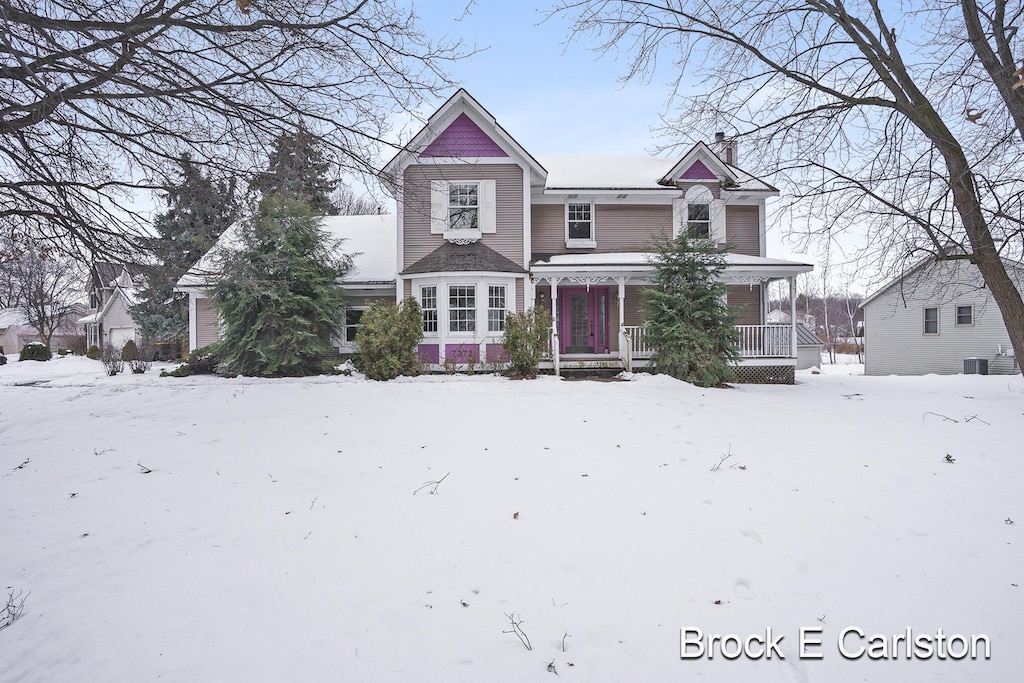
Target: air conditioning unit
<point>975,366</point>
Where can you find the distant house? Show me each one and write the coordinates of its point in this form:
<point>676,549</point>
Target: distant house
<point>16,332</point>
<point>113,290</point>
<point>483,228</point>
<point>932,318</point>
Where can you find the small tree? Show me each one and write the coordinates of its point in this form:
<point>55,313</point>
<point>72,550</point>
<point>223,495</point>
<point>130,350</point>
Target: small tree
<point>277,293</point>
<point>388,337</point>
<point>526,338</point>
<point>688,323</point>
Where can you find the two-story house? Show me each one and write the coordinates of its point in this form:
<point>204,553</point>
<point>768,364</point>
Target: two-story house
<point>112,290</point>
<point>484,228</point>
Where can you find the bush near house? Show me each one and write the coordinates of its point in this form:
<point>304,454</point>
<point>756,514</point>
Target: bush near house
<point>388,338</point>
<point>111,359</point>
<point>94,353</point>
<point>202,361</point>
<point>36,351</point>
<point>525,341</point>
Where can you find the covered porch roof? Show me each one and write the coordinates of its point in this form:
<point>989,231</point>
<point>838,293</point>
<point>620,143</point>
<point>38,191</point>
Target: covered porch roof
<point>740,269</point>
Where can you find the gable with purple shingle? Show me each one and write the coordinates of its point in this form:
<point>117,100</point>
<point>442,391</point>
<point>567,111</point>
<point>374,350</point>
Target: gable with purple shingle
<point>463,138</point>
<point>698,171</point>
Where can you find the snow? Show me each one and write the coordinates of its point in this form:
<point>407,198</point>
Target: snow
<point>277,536</point>
<point>643,258</point>
<point>583,172</point>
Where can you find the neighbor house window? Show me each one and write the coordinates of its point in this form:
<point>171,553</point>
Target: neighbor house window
<point>464,206</point>
<point>698,221</point>
<point>931,321</point>
<point>496,308</point>
<point>353,318</point>
<point>581,221</point>
<point>428,304</point>
<point>462,308</point>
<point>965,315</point>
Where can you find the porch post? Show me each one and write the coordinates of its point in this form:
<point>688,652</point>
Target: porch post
<point>554,325</point>
<point>792,313</point>
<point>622,301</point>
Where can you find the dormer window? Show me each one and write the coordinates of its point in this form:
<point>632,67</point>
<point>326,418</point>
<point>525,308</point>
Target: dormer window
<point>579,225</point>
<point>698,221</point>
<point>464,206</point>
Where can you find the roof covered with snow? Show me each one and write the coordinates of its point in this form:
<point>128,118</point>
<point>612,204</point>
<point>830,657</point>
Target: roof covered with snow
<point>636,258</point>
<point>626,173</point>
<point>371,241</point>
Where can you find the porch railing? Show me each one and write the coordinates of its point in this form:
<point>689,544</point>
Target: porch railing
<point>756,341</point>
<point>765,341</point>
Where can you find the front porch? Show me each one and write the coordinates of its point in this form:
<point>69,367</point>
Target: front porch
<point>597,325</point>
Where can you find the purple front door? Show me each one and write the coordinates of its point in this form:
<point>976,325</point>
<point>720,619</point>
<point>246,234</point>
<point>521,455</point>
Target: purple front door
<point>583,316</point>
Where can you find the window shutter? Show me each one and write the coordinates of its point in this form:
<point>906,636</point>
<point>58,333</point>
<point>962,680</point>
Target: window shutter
<point>718,235</point>
<point>678,216</point>
<point>488,211</point>
<point>438,206</point>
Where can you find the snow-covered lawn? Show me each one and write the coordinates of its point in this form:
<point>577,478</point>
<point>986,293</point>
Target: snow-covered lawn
<point>277,536</point>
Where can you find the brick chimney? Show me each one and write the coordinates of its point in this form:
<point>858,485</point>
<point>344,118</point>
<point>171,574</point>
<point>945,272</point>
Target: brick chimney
<point>725,149</point>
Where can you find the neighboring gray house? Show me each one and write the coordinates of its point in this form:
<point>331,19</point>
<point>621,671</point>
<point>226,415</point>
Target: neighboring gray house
<point>932,318</point>
<point>112,292</point>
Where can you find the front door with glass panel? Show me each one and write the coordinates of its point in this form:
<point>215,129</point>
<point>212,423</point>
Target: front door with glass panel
<point>584,320</point>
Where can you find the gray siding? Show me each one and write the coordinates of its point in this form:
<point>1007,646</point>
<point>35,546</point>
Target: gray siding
<point>617,228</point>
<point>895,342</point>
<point>207,323</point>
<point>507,239</point>
<point>742,229</point>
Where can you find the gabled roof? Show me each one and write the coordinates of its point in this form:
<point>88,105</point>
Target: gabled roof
<point>105,272</point>
<point>460,105</point>
<point>129,294</point>
<point>474,257</point>
<point>702,154</point>
<point>1015,269</point>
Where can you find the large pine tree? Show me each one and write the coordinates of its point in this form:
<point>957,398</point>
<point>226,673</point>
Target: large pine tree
<point>298,168</point>
<point>277,294</point>
<point>688,322</point>
<point>199,209</point>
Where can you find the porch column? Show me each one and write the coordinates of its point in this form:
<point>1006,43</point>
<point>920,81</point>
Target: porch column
<point>554,325</point>
<point>622,301</point>
<point>792,313</point>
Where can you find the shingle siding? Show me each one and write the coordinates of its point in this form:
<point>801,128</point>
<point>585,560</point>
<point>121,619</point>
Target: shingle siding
<point>895,342</point>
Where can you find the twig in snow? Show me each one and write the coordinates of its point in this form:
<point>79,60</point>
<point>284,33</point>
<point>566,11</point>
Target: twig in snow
<point>551,667</point>
<point>949,459</point>
<point>11,612</point>
<point>22,465</point>
<point>975,417</point>
<point>98,452</point>
<point>435,484</point>
<point>313,502</point>
<point>944,418</point>
<point>145,470</point>
<point>722,460</point>
<point>564,636</point>
<point>518,630</point>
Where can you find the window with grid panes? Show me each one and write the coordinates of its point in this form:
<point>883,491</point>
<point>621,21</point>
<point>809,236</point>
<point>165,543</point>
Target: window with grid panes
<point>462,308</point>
<point>496,308</point>
<point>581,221</point>
<point>428,304</point>
<point>464,206</point>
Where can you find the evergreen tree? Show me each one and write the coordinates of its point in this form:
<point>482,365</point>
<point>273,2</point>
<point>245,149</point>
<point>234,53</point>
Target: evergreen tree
<point>299,168</point>
<point>277,295</point>
<point>199,210</point>
<point>688,322</point>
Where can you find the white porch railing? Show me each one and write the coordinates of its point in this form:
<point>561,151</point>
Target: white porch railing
<point>756,341</point>
<point>766,341</point>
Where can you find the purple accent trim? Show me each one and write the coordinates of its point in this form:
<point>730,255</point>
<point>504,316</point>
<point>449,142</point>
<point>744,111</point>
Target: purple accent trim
<point>496,353</point>
<point>698,171</point>
<point>463,138</point>
<point>462,353</point>
<point>429,353</point>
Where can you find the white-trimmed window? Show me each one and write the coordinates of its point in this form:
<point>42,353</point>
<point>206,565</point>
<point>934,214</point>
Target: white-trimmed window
<point>428,304</point>
<point>965,315</point>
<point>463,209</point>
<point>463,206</point>
<point>353,319</point>
<point>698,221</point>
<point>462,308</point>
<point>931,321</point>
<point>496,308</point>
<point>579,225</point>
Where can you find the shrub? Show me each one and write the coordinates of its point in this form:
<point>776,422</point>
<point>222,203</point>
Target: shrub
<point>527,336</point>
<point>388,338</point>
<point>94,353</point>
<point>111,359</point>
<point>36,351</point>
<point>182,370</point>
<point>76,344</point>
<point>130,351</point>
<point>204,361</point>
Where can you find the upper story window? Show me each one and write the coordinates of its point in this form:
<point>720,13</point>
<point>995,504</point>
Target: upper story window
<point>464,206</point>
<point>931,321</point>
<point>965,315</point>
<point>428,304</point>
<point>698,221</point>
<point>579,225</point>
<point>463,210</point>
